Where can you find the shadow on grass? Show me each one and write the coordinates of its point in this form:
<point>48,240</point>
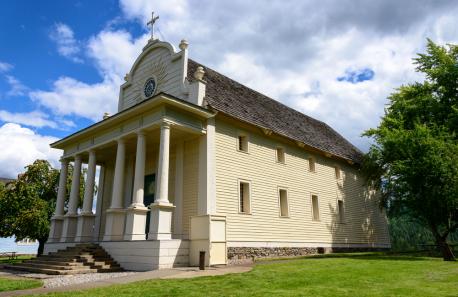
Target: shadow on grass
<point>389,256</point>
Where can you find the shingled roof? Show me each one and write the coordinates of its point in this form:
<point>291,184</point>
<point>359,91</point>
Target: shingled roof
<point>238,101</point>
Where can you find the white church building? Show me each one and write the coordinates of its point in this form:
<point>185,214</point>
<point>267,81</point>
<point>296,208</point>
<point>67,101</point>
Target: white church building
<point>194,161</point>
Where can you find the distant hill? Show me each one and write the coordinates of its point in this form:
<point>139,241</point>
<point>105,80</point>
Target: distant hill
<point>5,180</point>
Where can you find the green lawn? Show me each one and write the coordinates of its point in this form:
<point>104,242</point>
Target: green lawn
<point>333,275</point>
<point>18,284</point>
<point>6,260</point>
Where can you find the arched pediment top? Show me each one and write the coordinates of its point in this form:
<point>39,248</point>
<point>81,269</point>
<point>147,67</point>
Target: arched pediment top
<point>151,46</point>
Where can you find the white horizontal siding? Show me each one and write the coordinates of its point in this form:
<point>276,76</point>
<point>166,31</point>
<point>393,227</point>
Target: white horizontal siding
<point>364,223</point>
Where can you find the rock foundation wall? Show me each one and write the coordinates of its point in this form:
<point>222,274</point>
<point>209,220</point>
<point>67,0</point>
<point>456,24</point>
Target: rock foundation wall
<point>242,255</point>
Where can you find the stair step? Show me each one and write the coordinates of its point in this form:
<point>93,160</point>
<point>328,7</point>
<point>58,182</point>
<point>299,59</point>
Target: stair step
<point>83,258</point>
<point>48,270</point>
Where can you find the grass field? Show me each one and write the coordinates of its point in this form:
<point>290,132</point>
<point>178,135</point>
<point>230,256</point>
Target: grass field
<point>6,260</point>
<point>332,275</point>
<point>18,284</point>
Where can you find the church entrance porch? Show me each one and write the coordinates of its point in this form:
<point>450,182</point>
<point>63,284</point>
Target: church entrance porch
<point>150,159</point>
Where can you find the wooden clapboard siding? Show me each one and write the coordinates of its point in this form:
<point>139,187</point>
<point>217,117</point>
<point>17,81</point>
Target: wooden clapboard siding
<point>172,84</point>
<point>190,182</point>
<point>363,221</point>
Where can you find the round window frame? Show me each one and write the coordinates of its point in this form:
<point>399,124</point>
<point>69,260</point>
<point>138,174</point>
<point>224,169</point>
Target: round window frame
<point>144,84</point>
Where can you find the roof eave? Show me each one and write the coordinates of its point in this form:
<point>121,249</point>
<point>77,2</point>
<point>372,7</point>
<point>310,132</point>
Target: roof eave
<point>159,99</point>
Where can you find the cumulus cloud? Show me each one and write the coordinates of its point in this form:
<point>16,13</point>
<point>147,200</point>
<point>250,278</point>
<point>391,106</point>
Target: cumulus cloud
<point>67,45</point>
<point>5,67</point>
<point>16,86</point>
<point>34,119</point>
<point>22,147</point>
<point>113,53</point>
<point>295,51</point>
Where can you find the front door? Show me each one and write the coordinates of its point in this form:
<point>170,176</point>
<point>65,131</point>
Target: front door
<point>148,196</point>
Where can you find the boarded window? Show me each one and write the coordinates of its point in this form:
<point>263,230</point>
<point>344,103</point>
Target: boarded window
<point>244,197</point>
<point>340,209</point>
<point>283,201</point>
<point>311,164</point>
<point>315,208</point>
<point>280,155</point>
<point>337,172</point>
<point>242,143</point>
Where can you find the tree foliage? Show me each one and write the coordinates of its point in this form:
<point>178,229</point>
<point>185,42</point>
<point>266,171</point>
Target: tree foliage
<point>27,204</point>
<point>414,161</point>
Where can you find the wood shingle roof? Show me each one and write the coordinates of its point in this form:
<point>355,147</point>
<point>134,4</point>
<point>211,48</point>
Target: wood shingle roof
<point>238,101</point>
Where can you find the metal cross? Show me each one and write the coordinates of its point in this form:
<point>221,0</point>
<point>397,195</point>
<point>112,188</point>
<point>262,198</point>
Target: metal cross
<point>151,23</point>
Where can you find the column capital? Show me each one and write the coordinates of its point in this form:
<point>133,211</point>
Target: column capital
<point>141,132</point>
<point>64,160</point>
<point>78,157</point>
<point>165,124</point>
<point>121,140</point>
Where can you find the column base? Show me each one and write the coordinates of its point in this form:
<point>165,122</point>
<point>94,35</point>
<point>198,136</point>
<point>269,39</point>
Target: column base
<point>114,225</point>
<point>135,223</point>
<point>55,231</point>
<point>85,227</point>
<point>161,221</point>
<point>69,228</point>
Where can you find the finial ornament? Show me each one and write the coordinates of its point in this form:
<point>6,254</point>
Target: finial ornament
<point>199,74</point>
<point>151,24</point>
<point>183,44</point>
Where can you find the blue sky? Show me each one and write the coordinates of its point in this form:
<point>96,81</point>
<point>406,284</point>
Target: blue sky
<point>61,62</point>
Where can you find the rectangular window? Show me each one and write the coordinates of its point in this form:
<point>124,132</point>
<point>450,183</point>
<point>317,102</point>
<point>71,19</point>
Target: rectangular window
<point>242,143</point>
<point>244,197</point>
<point>311,164</point>
<point>337,171</point>
<point>340,209</point>
<point>280,155</point>
<point>283,201</point>
<point>315,208</point>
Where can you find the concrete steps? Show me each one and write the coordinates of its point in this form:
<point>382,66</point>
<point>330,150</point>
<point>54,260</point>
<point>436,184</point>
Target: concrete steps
<point>82,258</point>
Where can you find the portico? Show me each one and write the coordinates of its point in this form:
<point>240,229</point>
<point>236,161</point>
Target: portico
<point>144,152</point>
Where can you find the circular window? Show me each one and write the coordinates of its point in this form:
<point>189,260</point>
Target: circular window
<point>150,87</point>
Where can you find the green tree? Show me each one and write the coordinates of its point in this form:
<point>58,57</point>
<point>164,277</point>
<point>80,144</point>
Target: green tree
<point>414,158</point>
<point>27,204</point>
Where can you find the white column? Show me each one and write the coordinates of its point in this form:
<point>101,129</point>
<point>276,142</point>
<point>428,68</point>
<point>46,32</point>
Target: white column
<point>56,221</point>
<point>75,190</point>
<point>178,213</point>
<point>85,227</point>
<point>98,211</point>
<point>90,183</point>
<point>136,213</point>
<point>206,203</point>
<point>162,188</point>
<point>139,179</point>
<point>161,209</point>
<point>115,215</point>
<point>70,219</point>
<point>118,184</point>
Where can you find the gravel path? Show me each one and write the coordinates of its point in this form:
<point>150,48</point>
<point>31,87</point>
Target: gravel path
<point>67,280</point>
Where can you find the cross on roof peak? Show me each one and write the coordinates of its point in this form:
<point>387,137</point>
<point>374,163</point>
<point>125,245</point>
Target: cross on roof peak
<point>151,23</point>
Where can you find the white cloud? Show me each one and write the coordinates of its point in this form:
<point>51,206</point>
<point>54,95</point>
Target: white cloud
<point>72,97</point>
<point>67,45</point>
<point>5,67</point>
<point>34,119</point>
<point>21,147</point>
<point>16,87</point>
<point>293,51</point>
<point>113,53</point>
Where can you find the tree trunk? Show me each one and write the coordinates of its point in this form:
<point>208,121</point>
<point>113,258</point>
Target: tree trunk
<point>445,249</point>
<point>41,246</point>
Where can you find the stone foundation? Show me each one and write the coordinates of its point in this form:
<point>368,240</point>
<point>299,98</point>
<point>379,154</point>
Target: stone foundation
<point>243,255</point>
